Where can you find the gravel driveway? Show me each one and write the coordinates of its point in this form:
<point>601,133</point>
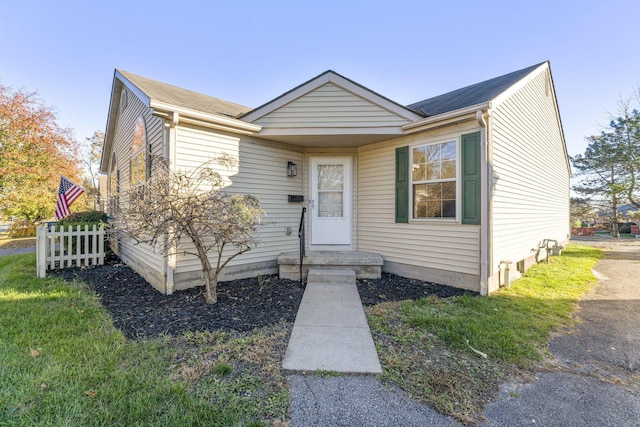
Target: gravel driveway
<point>593,375</point>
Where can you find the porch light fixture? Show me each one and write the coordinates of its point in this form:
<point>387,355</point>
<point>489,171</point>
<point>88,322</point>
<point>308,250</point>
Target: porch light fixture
<point>292,169</point>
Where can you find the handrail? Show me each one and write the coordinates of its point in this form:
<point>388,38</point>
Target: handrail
<point>301,237</point>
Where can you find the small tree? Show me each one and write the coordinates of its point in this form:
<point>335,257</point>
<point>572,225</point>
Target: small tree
<point>190,213</point>
<point>581,211</point>
<point>603,179</point>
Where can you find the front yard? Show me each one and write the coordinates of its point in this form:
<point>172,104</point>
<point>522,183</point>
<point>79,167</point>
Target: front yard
<point>66,363</point>
<point>431,347</point>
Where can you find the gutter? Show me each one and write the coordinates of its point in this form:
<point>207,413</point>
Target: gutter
<point>169,153</point>
<point>177,114</point>
<point>449,117</point>
<point>485,243</point>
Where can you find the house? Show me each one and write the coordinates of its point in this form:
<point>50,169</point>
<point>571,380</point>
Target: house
<point>451,189</point>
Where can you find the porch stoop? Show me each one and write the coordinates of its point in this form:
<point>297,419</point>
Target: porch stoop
<point>366,265</point>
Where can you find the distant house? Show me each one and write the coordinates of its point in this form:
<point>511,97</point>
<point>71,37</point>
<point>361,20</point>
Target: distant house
<point>445,190</point>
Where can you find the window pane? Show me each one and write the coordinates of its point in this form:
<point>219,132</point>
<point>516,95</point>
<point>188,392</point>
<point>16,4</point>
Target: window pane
<point>420,201</point>
<point>434,209</point>
<point>419,172</point>
<point>448,208</point>
<point>449,190</point>
<point>330,177</point>
<point>434,191</point>
<point>330,204</point>
<point>433,171</point>
<point>138,169</point>
<point>419,155</point>
<point>433,153</point>
<point>448,151</point>
<point>448,169</point>
<point>139,137</point>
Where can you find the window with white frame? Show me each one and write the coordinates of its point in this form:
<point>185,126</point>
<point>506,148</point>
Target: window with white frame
<point>139,153</point>
<point>114,186</point>
<point>434,180</point>
<point>123,100</point>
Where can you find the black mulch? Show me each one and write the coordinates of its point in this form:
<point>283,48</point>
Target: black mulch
<point>141,311</point>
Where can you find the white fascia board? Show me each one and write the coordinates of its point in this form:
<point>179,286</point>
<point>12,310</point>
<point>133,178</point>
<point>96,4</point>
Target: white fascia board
<point>114,109</point>
<point>194,116</point>
<point>331,77</point>
<point>332,131</point>
<point>448,117</point>
<point>133,88</point>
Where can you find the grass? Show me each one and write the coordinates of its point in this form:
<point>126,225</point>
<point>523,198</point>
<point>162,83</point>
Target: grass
<point>622,235</point>
<point>63,363</point>
<point>426,346</point>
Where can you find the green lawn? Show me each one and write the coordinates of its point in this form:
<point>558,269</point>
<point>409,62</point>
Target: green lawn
<point>426,346</point>
<point>622,235</point>
<point>63,363</point>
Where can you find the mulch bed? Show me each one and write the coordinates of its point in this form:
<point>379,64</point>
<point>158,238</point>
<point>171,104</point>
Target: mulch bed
<point>141,311</point>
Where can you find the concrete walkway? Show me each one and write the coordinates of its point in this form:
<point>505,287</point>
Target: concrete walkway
<point>330,332</point>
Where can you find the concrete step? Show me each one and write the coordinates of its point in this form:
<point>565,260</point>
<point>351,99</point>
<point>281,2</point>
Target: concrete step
<point>331,277</point>
<point>366,265</point>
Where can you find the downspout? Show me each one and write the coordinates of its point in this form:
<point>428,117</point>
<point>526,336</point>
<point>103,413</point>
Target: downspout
<point>484,202</point>
<point>169,153</point>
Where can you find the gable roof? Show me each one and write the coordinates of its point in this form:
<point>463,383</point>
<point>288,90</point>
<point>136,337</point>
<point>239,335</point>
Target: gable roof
<point>331,76</point>
<point>470,95</point>
<point>184,98</point>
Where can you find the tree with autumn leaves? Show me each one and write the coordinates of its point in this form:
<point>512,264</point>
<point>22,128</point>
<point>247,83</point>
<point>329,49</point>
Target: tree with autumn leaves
<point>34,152</point>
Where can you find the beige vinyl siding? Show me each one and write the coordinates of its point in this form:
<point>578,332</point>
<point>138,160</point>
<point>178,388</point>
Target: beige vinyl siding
<point>441,245</point>
<point>330,106</point>
<point>150,264</point>
<point>262,172</point>
<point>531,175</point>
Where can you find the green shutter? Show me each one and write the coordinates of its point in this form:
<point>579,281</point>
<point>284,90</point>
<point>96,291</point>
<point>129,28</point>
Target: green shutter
<point>470,178</point>
<point>402,184</point>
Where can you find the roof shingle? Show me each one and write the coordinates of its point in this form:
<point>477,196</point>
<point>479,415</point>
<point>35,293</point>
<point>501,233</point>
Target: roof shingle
<point>184,98</point>
<point>470,95</point>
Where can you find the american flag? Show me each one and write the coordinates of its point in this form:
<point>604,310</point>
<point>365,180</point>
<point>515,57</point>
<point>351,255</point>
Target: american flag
<point>67,194</point>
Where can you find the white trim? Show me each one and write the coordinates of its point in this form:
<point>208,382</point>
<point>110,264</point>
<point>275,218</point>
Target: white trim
<point>348,202</point>
<point>274,131</point>
<point>343,83</point>
<point>133,88</point>
<point>486,249</point>
<point>457,180</point>
<point>430,122</point>
<point>219,121</point>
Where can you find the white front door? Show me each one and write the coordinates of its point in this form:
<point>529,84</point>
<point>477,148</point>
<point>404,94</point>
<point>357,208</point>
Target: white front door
<point>331,200</point>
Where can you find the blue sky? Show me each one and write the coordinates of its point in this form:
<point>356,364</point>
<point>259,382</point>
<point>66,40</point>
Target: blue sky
<point>252,51</point>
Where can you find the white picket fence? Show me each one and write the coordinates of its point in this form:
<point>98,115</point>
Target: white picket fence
<point>68,247</point>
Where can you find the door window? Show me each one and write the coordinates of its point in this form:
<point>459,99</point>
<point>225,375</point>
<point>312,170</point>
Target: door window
<point>330,191</point>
